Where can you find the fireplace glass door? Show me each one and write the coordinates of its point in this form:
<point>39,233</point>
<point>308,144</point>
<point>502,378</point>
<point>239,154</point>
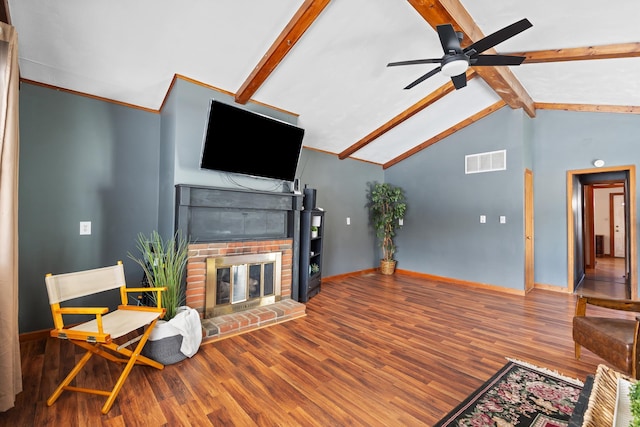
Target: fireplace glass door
<point>236,283</point>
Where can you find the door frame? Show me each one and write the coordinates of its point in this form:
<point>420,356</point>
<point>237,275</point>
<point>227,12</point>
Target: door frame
<point>632,234</point>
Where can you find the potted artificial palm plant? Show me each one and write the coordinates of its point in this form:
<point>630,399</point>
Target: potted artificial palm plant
<point>387,206</point>
<point>164,263</point>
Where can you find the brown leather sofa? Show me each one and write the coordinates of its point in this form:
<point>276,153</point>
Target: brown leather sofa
<point>611,334</point>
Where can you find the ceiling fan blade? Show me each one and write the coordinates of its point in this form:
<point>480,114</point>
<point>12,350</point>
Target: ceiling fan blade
<point>498,37</point>
<point>423,78</point>
<point>448,38</point>
<point>496,60</point>
<point>415,62</point>
<point>459,81</point>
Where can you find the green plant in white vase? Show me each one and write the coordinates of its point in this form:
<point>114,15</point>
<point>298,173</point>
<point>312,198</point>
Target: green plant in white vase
<point>164,263</point>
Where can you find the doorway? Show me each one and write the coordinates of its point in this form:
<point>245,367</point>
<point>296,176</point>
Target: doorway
<point>595,266</point>
<point>605,272</point>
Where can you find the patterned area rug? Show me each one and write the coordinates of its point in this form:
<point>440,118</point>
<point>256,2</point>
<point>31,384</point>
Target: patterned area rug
<point>520,394</point>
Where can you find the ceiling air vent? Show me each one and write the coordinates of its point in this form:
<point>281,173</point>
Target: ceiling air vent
<point>485,162</point>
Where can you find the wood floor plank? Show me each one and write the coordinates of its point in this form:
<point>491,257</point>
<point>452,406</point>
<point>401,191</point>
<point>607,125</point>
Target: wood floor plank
<point>184,413</point>
<point>229,412</point>
<point>373,350</point>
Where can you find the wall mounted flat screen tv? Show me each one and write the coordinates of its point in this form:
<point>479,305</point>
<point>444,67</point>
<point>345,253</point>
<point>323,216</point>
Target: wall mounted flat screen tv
<point>241,141</point>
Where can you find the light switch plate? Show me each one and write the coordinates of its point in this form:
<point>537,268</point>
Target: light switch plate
<point>85,228</point>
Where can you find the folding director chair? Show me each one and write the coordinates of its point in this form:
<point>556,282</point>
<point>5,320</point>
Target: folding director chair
<point>97,335</point>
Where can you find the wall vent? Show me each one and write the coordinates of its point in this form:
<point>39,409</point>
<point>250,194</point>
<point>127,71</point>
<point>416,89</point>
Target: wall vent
<point>485,162</point>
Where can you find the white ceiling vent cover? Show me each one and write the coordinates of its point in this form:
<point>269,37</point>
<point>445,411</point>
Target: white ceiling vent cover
<point>485,162</point>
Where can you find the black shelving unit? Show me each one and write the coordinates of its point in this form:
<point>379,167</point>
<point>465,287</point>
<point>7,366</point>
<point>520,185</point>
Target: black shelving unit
<point>310,253</point>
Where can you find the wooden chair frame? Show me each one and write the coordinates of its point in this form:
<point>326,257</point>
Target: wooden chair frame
<point>96,336</point>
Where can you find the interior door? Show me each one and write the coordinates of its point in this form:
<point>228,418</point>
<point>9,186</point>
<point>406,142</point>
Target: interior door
<point>528,231</point>
<point>619,227</point>
<point>589,232</point>
<point>630,259</point>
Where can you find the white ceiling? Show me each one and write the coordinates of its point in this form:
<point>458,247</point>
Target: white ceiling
<point>335,77</point>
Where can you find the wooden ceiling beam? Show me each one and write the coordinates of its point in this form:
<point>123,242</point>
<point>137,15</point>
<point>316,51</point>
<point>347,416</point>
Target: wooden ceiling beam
<point>609,51</point>
<point>622,109</point>
<point>406,114</point>
<point>500,79</point>
<point>301,21</point>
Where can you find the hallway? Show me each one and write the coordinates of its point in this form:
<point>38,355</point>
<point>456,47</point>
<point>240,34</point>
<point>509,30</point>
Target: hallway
<point>606,280</point>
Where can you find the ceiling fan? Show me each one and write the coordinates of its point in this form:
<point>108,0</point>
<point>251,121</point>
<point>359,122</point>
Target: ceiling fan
<point>455,61</point>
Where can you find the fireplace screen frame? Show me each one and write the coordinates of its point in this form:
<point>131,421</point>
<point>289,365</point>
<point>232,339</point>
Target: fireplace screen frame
<point>214,264</point>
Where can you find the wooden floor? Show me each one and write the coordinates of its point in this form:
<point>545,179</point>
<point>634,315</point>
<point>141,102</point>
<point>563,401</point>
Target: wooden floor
<point>372,351</point>
<point>607,279</point>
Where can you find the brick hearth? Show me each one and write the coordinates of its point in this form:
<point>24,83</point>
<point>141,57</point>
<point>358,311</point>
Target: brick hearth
<point>237,323</point>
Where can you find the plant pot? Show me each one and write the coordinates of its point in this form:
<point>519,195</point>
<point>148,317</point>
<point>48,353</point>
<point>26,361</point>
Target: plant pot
<point>164,344</point>
<point>174,340</point>
<point>387,266</point>
<point>314,234</point>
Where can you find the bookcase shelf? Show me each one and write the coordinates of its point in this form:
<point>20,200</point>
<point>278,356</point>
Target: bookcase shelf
<point>310,253</point>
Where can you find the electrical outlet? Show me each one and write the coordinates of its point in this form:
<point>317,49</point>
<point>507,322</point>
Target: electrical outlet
<point>348,221</point>
<point>503,219</point>
<point>401,222</point>
<point>85,228</point>
<point>483,219</point>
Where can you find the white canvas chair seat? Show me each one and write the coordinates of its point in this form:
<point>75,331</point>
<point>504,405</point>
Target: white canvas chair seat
<point>96,336</point>
<point>118,323</point>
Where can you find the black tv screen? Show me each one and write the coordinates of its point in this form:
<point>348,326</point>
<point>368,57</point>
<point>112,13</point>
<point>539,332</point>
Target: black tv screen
<point>241,141</point>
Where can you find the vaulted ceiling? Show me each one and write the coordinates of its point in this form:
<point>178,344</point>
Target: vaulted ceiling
<point>327,60</point>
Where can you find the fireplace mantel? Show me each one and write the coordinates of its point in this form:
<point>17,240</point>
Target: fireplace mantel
<point>216,214</point>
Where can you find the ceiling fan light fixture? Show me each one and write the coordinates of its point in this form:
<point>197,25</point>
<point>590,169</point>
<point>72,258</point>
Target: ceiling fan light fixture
<point>456,60</point>
<point>455,67</point>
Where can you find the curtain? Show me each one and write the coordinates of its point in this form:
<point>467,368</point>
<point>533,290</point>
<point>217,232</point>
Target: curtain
<point>10,370</point>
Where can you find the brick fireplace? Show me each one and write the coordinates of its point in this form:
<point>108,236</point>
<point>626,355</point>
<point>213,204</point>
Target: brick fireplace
<point>229,223</point>
<point>231,324</point>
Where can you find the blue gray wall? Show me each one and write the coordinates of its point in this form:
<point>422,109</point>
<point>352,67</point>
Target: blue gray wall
<point>80,160</point>
<point>85,159</point>
<point>566,141</point>
<point>442,234</point>
<point>341,187</point>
